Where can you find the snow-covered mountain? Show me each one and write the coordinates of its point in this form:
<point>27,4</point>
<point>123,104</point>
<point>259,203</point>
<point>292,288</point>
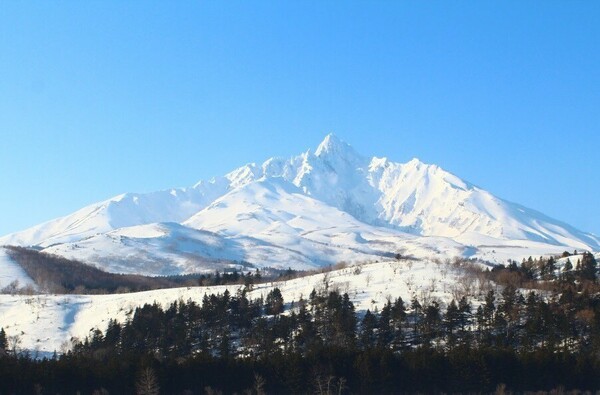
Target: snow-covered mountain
<point>314,209</point>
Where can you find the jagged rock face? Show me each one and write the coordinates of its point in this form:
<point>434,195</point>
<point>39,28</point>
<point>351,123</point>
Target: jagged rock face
<point>313,209</point>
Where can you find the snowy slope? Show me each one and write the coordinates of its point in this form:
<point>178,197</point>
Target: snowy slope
<point>129,209</point>
<point>154,249</point>
<point>425,199</point>
<point>269,222</point>
<point>48,322</point>
<point>279,213</point>
<point>11,271</point>
<point>313,209</point>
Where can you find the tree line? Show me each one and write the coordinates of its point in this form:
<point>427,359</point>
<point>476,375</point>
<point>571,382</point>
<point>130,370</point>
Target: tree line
<point>56,274</point>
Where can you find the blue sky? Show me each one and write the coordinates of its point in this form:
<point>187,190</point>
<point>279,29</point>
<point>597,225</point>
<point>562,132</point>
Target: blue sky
<point>100,98</point>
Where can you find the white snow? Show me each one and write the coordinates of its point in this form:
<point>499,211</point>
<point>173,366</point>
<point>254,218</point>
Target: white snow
<point>313,209</point>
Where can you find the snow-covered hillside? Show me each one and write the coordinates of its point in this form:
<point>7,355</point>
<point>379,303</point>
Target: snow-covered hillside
<point>314,209</point>
<point>12,272</point>
<point>48,322</point>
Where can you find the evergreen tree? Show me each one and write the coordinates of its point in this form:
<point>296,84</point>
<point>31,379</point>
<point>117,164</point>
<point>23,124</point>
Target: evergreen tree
<point>432,320</point>
<point>416,307</point>
<point>489,308</point>
<point>481,323</point>
<point>348,319</point>
<point>397,319</point>
<point>568,266</point>
<point>307,337</point>
<point>224,346</point>
<point>542,268</point>
<point>567,272</point>
<point>588,267</point>
<point>113,333</point>
<point>451,322</point>
<point>532,320</point>
<point>528,267</point>
<point>465,316</point>
<point>274,302</point>
<point>3,342</point>
<point>508,314</point>
<point>385,331</point>
<point>367,336</point>
<point>550,268</point>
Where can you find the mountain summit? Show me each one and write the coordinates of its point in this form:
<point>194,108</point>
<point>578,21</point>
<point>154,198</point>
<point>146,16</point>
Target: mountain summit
<point>334,147</point>
<point>310,210</point>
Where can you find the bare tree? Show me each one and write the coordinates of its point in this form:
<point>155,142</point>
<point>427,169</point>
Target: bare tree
<point>11,288</point>
<point>410,281</point>
<point>341,385</point>
<point>432,283</point>
<point>147,383</point>
<point>14,343</point>
<point>329,385</point>
<point>323,385</point>
<point>326,282</point>
<point>466,282</point>
<point>259,384</point>
<point>211,391</point>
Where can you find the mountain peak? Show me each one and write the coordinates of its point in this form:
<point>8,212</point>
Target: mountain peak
<point>262,210</point>
<point>416,162</point>
<point>332,144</point>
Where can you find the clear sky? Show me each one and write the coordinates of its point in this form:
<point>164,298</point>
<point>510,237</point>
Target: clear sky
<point>98,98</point>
